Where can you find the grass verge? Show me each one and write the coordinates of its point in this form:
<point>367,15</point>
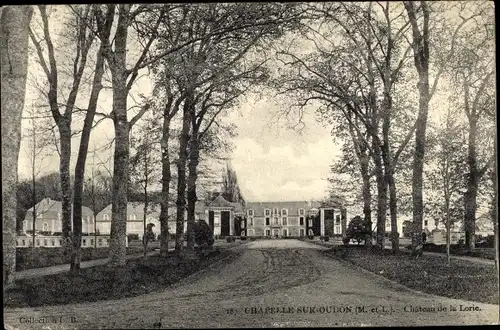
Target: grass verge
<point>430,274</point>
<point>138,276</point>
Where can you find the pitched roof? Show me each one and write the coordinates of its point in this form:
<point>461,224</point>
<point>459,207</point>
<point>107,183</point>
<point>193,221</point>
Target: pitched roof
<point>292,206</point>
<point>49,205</point>
<point>238,207</point>
<point>154,209</point>
<point>220,201</point>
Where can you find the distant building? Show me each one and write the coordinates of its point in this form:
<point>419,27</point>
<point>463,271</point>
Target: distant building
<point>293,218</point>
<point>49,217</point>
<point>135,218</point>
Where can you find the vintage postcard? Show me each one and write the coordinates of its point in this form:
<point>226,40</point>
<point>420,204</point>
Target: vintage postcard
<point>249,165</point>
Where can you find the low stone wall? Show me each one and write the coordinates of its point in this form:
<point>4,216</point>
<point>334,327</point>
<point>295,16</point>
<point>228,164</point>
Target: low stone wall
<point>57,241</point>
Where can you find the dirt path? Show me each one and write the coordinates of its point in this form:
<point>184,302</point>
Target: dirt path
<point>290,275</point>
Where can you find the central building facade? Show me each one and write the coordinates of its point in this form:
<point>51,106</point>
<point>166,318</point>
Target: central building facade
<point>294,218</point>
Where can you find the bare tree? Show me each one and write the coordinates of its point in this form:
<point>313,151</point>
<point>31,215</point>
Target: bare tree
<point>473,73</point>
<point>15,22</point>
<point>54,73</point>
<point>447,175</point>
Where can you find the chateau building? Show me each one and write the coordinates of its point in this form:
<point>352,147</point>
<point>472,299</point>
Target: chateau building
<point>48,217</point>
<point>294,218</point>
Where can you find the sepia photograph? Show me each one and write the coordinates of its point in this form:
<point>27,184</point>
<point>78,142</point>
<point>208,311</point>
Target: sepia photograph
<point>249,165</point>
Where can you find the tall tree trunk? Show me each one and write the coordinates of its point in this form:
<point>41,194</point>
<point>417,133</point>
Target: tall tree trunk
<point>14,26</point>
<point>65,148</point>
<point>393,208</point>
<point>448,228</point>
<point>194,155</point>
<point>367,198</point>
<point>81,161</point>
<point>418,163</point>
<point>118,64</point>
<point>120,179</point>
<point>145,237</point>
<point>494,211</point>
<point>166,177</point>
<point>470,196</point>
<point>420,47</point>
<point>181,172</point>
<point>381,194</point>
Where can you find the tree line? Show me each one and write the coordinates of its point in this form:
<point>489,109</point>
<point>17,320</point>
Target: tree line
<point>373,69</point>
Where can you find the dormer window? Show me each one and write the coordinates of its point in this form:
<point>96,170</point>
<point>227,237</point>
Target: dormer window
<point>275,211</point>
<point>267,212</point>
<point>284,212</point>
<point>250,213</point>
<point>105,217</point>
<point>133,217</point>
<point>301,211</point>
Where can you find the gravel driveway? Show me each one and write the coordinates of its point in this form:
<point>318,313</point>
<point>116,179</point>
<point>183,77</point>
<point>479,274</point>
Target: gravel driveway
<point>275,283</point>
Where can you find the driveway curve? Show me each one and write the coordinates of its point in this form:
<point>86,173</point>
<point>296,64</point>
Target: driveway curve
<point>275,283</point>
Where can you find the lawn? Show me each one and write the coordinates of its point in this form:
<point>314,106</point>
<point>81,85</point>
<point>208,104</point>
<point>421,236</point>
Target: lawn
<point>138,276</point>
<point>458,250</point>
<point>461,279</point>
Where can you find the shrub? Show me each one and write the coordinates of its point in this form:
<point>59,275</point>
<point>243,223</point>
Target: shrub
<point>310,237</point>
<point>229,239</point>
<point>346,240</point>
<point>243,238</point>
<point>326,238</point>
<point>357,229</point>
<point>253,238</point>
<point>203,234</point>
<point>133,237</point>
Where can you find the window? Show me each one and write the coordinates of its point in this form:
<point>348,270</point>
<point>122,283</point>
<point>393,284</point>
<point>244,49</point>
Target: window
<point>44,242</point>
<point>38,242</point>
<point>310,222</point>
<point>285,221</point>
<point>251,232</point>
<point>285,232</point>
<point>267,212</point>
<point>301,211</point>
<point>45,226</point>
<point>337,219</point>
<point>25,226</point>
<point>283,212</point>
<point>275,211</point>
<point>302,232</point>
<point>268,220</point>
<point>133,217</point>
<point>105,217</point>
<point>250,213</point>
<point>276,220</point>
<point>311,233</point>
<point>24,242</point>
<point>301,221</point>
<point>250,222</point>
<point>53,242</point>
<point>268,232</point>
<point>84,242</point>
<point>426,222</point>
<point>91,242</point>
